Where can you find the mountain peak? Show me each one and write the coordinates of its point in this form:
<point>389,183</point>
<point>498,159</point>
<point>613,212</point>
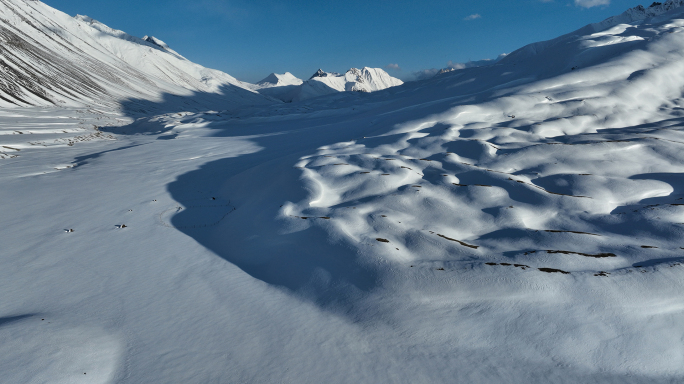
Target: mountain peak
<point>157,42</point>
<point>322,73</point>
<point>278,80</point>
<point>319,73</point>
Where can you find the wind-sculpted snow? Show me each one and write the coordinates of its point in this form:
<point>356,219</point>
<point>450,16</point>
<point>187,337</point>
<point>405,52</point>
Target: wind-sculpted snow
<point>515,223</point>
<point>504,200</point>
<point>579,172</point>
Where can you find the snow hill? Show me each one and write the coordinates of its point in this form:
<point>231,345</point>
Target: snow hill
<point>50,58</point>
<point>631,15</point>
<point>289,88</point>
<point>520,222</point>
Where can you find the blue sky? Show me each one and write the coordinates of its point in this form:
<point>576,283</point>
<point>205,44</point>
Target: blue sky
<point>250,39</point>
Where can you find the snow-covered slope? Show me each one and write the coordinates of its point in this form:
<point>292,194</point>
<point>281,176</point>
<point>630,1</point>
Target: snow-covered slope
<point>281,87</point>
<point>277,80</point>
<point>354,80</point>
<point>570,50</point>
<point>638,13</point>
<point>514,223</point>
<point>50,58</point>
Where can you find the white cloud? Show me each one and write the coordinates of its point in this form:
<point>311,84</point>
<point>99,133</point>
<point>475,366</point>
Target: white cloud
<point>394,67</point>
<point>454,65</point>
<point>477,16</point>
<point>591,3</point>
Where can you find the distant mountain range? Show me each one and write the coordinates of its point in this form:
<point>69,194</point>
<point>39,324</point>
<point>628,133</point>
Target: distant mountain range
<point>288,88</point>
<point>50,58</point>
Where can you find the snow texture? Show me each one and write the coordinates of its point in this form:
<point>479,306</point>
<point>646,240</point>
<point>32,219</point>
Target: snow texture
<point>519,222</point>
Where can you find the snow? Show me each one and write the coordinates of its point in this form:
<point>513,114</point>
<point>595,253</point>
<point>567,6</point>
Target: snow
<point>276,80</point>
<point>517,222</point>
<point>638,13</point>
<point>51,58</point>
<point>281,87</point>
<point>354,80</point>
<point>291,89</point>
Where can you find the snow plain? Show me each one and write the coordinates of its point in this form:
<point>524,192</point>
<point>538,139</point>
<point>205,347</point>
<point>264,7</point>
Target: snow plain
<point>520,222</point>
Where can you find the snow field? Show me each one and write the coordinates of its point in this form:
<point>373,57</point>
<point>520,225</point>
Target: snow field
<point>519,222</point>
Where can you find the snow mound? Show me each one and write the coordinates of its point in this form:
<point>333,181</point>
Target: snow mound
<point>568,147</point>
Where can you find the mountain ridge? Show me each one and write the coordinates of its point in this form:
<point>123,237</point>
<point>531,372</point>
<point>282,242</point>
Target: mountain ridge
<point>51,58</point>
<point>324,83</point>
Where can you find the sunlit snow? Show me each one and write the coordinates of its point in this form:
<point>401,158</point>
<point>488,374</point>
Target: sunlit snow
<point>166,223</point>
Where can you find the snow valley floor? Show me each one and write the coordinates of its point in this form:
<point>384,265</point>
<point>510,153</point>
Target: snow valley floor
<point>518,222</point>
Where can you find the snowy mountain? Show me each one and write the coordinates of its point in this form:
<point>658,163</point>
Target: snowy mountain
<point>631,15</point>
<point>276,80</point>
<point>519,222</point>
<point>49,58</point>
<point>277,86</point>
<point>291,89</point>
<point>638,13</point>
<point>356,80</point>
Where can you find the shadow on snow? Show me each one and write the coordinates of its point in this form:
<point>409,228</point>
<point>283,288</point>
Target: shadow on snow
<point>252,187</point>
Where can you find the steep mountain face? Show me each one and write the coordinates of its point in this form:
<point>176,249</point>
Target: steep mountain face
<point>50,58</point>
<point>289,88</point>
